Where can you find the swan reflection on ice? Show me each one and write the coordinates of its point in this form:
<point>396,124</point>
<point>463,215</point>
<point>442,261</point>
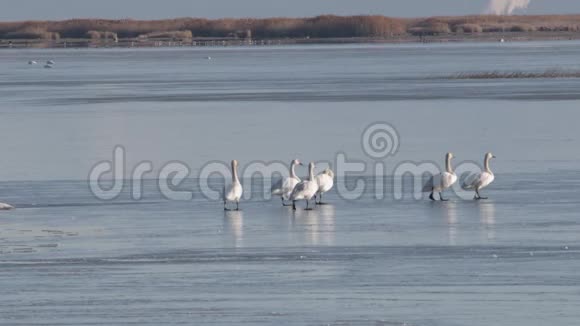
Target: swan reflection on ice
<point>487,219</point>
<point>450,214</point>
<point>234,226</point>
<point>317,226</point>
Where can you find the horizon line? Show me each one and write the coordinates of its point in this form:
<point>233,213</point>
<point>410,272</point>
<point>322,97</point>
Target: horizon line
<point>286,17</point>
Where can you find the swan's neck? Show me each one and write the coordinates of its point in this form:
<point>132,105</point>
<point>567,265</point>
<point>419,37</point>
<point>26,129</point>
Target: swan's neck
<point>486,165</point>
<point>292,172</point>
<point>448,166</point>
<point>311,174</point>
<point>235,178</point>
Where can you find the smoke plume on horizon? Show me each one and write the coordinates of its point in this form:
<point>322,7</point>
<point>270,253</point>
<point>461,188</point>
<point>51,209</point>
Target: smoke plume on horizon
<point>506,7</point>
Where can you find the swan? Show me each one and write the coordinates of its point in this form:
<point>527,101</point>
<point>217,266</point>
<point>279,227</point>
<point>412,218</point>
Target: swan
<point>440,182</point>
<point>306,189</point>
<point>5,207</point>
<point>233,192</point>
<point>50,62</point>
<point>47,66</point>
<point>32,62</point>
<point>481,180</point>
<point>325,182</point>
<point>284,187</point>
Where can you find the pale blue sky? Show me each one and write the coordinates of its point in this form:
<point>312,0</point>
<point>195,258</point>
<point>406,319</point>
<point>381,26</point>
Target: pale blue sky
<point>148,9</point>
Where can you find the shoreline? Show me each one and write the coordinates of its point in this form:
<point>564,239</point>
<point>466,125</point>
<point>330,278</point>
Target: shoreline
<point>324,29</point>
<point>232,42</point>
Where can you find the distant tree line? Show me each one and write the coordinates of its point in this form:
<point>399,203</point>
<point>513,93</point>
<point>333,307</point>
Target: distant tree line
<point>327,26</point>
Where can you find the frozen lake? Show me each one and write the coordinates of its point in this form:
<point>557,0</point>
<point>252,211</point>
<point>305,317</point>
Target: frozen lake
<point>67,258</point>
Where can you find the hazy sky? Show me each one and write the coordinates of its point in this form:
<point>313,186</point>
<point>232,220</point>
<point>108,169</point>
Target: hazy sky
<point>147,9</point>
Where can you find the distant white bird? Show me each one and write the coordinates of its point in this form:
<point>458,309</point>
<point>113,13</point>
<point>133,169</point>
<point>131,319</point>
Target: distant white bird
<point>440,182</point>
<point>5,207</point>
<point>208,58</point>
<point>284,187</point>
<point>481,180</point>
<point>306,189</point>
<point>32,62</point>
<point>48,66</point>
<point>233,192</point>
<point>325,181</point>
<point>50,62</point>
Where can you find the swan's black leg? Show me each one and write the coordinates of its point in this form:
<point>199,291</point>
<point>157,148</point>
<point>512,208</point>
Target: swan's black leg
<point>307,207</point>
<point>237,206</point>
<point>441,197</point>
<point>294,205</point>
<point>320,200</point>
<point>283,203</point>
<point>480,197</point>
<point>431,196</point>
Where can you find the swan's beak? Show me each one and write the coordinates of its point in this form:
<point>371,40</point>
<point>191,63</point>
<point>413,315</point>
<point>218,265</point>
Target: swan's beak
<point>493,156</point>
<point>301,163</point>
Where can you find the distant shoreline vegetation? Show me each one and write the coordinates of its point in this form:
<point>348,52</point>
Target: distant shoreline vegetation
<point>552,73</point>
<point>342,29</point>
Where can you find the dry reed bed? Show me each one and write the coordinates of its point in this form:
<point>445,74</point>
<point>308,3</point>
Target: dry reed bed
<point>554,73</point>
<point>327,26</point>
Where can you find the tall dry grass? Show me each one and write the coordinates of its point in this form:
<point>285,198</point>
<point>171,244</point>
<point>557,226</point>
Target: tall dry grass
<point>174,35</point>
<point>280,27</point>
<point>31,32</point>
<point>550,73</point>
<point>468,28</point>
<point>492,23</point>
<point>100,35</point>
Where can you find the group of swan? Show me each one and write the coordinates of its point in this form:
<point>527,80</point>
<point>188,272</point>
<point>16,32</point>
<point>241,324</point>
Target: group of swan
<point>314,186</point>
<point>285,186</point>
<point>293,189</point>
<point>49,63</point>
<point>440,182</point>
<point>290,188</point>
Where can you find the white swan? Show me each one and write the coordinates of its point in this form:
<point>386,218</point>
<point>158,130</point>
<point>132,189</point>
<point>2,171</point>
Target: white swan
<point>306,189</point>
<point>233,192</point>
<point>284,187</point>
<point>325,182</point>
<point>50,62</point>
<point>481,180</point>
<point>5,207</point>
<point>440,182</point>
<point>32,62</point>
